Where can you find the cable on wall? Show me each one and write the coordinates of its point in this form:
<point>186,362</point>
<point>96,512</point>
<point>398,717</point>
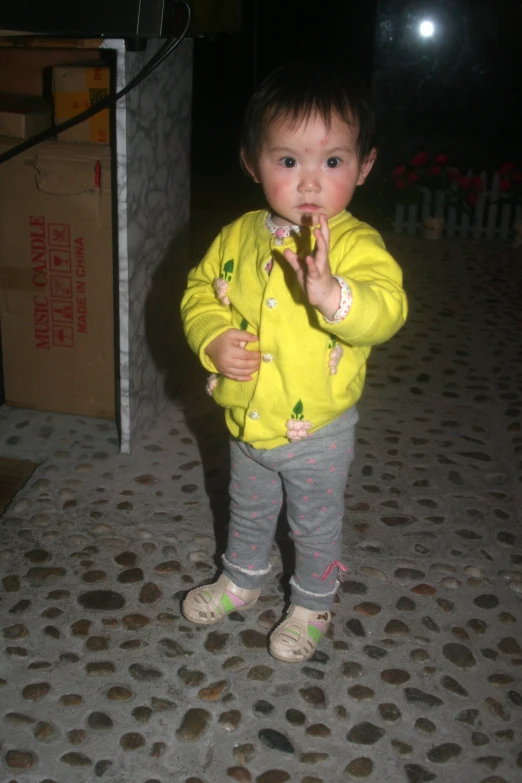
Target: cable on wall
<point>156,60</point>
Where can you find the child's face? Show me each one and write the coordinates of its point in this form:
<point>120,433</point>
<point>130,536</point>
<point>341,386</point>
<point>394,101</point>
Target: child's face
<point>308,168</point>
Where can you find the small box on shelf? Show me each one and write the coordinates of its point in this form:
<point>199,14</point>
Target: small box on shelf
<point>23,116</point>
<point>76,87</point>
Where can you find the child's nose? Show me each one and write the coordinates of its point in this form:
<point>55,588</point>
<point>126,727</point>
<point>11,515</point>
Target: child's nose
<point>309,181</point>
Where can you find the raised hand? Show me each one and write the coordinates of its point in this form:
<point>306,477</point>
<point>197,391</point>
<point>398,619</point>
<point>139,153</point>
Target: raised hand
<point>231,357</point>
<point>314,274</point>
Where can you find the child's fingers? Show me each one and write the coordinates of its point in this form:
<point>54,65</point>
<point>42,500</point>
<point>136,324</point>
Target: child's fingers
<point>293,259</point>
<point>237,373</point>
<point>321,246</point>
<point>248,337</point>
<point>313,270</point>
<point>241,378</point>
<point>238,336</point>
<point>317,268</point>
<point>325,229</point>
<point>240,368</point>
<point>320,255</point>
<point>245,359</point>
<point>250,364</point>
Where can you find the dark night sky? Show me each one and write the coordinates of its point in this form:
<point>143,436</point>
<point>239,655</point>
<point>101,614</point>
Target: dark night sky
<point>227,68</point>
<point>462,87</point>
<point>479,109</point>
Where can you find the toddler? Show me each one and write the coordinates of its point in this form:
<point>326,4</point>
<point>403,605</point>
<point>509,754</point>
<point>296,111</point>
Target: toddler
<point>283,311</point>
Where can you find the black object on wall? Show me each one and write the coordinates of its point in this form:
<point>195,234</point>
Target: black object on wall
<point>107,18</point>
<point>457,90</point>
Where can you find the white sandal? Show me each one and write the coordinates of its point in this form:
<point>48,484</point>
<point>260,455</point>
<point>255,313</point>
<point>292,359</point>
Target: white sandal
<point>297,637</point>
<point>210,603</point>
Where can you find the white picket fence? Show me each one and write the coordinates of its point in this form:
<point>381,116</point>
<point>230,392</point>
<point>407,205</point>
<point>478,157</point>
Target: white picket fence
<point>491,218</point>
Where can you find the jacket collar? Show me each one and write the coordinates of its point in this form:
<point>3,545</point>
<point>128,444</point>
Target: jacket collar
<point>263,234</point>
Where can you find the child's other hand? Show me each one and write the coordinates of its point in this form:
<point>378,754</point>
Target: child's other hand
<point>231,357</point>
<point>314,274</point>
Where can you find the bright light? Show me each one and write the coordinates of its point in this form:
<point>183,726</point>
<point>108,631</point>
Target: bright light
<point>427,29</point>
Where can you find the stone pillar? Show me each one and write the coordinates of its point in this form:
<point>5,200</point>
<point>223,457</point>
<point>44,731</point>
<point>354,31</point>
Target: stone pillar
<point>153,182</point>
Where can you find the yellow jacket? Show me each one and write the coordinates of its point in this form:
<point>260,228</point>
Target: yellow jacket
<point>296,342</point>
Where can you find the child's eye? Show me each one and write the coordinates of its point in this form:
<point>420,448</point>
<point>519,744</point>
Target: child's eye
<point>332,163</point>
<point>288,163</point>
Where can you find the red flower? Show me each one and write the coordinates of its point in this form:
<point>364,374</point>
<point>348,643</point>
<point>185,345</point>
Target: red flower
<point>504,185</point>
<point>464,182</point>
<point>516,176</point>
<point>442,159</point>
<point>506,168</point>
<point>435,170</point>
<point>414,176</point>
<point>398,171</point>
<point>420,159</point>
<point>454,174</point>
<point>478,184</point>
<point>472,199</point>
<point>400,184</point>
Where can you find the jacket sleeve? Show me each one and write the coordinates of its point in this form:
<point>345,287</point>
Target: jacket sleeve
<point>379,306</point>
<point>203,315</point>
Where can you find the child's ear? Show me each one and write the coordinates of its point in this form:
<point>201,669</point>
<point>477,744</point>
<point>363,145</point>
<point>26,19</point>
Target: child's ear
<point>247,166</point>
<point>367,165</point>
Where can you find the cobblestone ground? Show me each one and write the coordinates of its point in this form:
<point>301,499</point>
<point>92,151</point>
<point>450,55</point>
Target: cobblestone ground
<point>420,676</point>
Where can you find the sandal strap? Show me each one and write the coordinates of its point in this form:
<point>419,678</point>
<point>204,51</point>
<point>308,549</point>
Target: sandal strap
<point>209,603</point>
<point>299,634</point>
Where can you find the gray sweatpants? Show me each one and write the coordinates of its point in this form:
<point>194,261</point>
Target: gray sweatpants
<point>313,472</point>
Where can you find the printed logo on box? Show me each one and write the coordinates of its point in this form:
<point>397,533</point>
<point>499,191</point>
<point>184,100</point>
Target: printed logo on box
<point>59,234</point>
<point>60,261</point>
<point>61,287</point>
<point>62,312</point>
<point>63,336</point>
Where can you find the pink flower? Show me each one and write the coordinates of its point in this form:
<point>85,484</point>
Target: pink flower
<point>211,384</point>
<point>221,288</point>
<point>420,159</point>
<point>297,429</point>
<point>336,354</point>
<point>398,171</point>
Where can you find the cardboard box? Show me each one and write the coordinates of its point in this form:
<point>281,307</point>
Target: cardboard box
<point>26,70</point>
<point>76,87</point>
<point>56,278</point>
<point>23,116</point>
<point>29,40</point>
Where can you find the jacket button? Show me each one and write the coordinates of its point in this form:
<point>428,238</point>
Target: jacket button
<point>253,415</point>
<point>271,302</point>
<point>267,357</point>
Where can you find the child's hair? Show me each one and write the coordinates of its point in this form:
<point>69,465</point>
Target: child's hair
<point>299,89</point>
